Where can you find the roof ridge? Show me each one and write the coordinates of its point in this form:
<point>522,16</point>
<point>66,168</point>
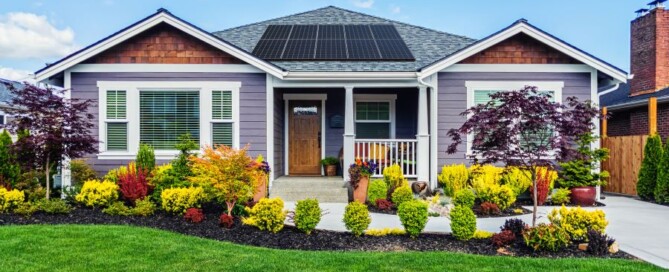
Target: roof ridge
<point>272,19</point>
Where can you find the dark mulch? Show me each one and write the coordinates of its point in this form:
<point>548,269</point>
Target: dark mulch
<point>549,204</point>
<point>374,209</point>
<point>505,213</point>
<point>289,237</point>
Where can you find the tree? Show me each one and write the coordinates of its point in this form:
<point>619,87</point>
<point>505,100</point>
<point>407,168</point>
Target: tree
<point>662,187</point>
<point>52,127</point>
<point>525,129</point>
<point>9,169</point>
<point>652,154</point>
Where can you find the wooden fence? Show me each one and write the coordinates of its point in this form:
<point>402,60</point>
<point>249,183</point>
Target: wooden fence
<point>626,154</point>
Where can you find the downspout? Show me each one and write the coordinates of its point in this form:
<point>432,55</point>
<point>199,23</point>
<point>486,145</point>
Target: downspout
<point>607,91</point>
<point>432,172</point>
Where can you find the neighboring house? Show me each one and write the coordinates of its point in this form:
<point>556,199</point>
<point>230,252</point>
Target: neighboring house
<point>628,104</point>
<point>5,99</point>
<point>320,83</point>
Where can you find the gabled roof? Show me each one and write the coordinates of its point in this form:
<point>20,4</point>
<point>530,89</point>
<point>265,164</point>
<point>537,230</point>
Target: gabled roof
<point>426,45</point>
<point>5,95</point>
<point>161,16</point>
<point>620,98</point>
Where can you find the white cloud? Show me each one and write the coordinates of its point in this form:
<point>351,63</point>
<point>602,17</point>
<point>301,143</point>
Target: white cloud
<point>15,74</point>
<point>27,35</point>
<point>363,3</point>
<point>395,9</point>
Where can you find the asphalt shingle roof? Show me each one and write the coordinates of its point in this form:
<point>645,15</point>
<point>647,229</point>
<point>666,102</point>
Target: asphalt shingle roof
<point>621,96</point>
<point>5,95</point>
<point>426,45</point>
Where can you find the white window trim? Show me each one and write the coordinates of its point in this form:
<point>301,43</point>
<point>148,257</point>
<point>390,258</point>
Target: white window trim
<point>472,86</point>
<point>286,147</point>
<point>389,98</point>
<point>133,88</point>
<point>4,117</point>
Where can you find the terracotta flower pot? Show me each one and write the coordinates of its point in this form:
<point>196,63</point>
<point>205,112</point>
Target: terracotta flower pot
<point>261,191</point>
<point>583,196</point>
<point>330,170</point>
<point>360,193</point>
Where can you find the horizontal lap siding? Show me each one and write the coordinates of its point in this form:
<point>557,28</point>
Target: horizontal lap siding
<point>453,101</point>
<point>278,134</point>
<point>253,120</point>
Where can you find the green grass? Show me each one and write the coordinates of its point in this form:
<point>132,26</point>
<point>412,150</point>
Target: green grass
<point>123,248</point>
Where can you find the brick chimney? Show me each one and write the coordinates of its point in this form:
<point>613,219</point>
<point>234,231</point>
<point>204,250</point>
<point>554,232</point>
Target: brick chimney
<point>650,52</point>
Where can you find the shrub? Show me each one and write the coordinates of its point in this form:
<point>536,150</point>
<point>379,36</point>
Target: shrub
<point>268,214</point>
<point>489,208</point>
<point>329,161</point>
<point>543,186</point>
<point>503,238</point>
<point>482,234</point>
<point>576,221</point>
<point>194,215</point>
<point>598,243</point>
<point>146,159</point>
<point>97,194</point>
<point>54,206</point>
<point>385,232</point>
<point>464,198</point>
<point>561,196</point>
<point>582,170</point>
<point>413,215</point>
<point>394,178</point>
<point>515,226</point>
<point>165,177</point>
<point>178,200</point>
<point>652,155</point>
<point>463,222</point>
<point>133,184</point>
<point>401,195</point>
<point>356,218</point>
<point>10,170</point>
<point>501,195</point>
<point>307,215</point>
<point>117,208</point>
<point>10,199</point>
<point>384,204</point>
<point>144,207</point>
<point>453,178</point>
<point>546,237</point>
<point>26,208</point>
<point>81,171</point>
<point>227,221</point>
<point>517,179</point>
<point>377,190</point>
<point>662,186</point>
<point>112,175</point>
<point>485,175</point>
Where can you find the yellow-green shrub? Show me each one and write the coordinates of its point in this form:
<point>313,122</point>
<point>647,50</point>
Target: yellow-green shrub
<point>501,195</point>
<point>546,237</point>
<point>10,199</point>
<point>385,232</point>
<point>308,214</point>
<point>482,234</point>
<point>268,214</point>
<point>178,200</point>
<point>483,175</point>
<point>519,180</point>
<point>95,193</point>
<point>112,175</point>
<point>117,208</point>
<point>401,195</point>
<point>413,215</point>
<point>377,190</point>
<point>463,222</point>
<point>356,218</point>
<point>394,177</point>
<point>453,178</point>
<point>577,221</point>
<point>561,196</point>
<point>465,198</point>
<point>144,207</point>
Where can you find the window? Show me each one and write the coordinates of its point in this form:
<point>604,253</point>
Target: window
<point>222,123</point>
<point>117,126</point>
<point>2,119</point>
<point>375,116</point>
<point>166,115</point>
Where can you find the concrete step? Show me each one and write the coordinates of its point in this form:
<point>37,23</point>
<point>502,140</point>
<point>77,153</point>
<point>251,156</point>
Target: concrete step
<point>325,189</point>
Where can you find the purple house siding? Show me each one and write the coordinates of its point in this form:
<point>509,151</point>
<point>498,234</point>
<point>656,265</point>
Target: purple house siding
<point>252,104</point>
<point>278,134</point>
<point>453,101</point>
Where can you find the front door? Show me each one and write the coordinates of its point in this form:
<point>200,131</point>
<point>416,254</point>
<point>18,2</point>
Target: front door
<point>304,137</point>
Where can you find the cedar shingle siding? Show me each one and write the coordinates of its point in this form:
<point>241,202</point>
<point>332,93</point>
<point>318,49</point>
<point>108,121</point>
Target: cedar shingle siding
<point>520,49</point>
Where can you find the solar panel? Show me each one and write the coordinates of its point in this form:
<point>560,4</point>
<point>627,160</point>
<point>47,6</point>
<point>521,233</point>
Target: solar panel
<point>269,49</point>
<point>304,32</point>
<point>393,50</point>
<point>274,32</point>
<point>331,32</point>
<point>331,49</point>
<point>385,32</point>
<point>358,32</point>
<point>362,50</point>
<point>299,50</point>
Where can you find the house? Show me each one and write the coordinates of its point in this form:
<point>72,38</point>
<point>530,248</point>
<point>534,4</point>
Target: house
<point>5,99</point>
<point>301,87</point>
<point>628,104</point>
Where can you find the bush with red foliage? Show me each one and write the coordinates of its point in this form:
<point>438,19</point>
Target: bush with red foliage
<point>227,221</point>
<point>543,185</point>
<point>133,184</point>
<point>384,204</point>
<point>504,238</point>
<point>489,208</point>
<point>194,215</point>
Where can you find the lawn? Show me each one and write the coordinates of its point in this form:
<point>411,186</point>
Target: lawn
<point>124,248</point>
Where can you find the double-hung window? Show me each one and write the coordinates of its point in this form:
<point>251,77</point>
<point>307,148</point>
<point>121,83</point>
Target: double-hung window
<point>222,124</point>
<point>374,117</point>
<point>116,120</point>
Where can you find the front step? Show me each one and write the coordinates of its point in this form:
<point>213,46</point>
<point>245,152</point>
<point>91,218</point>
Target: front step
<point>325,189</point>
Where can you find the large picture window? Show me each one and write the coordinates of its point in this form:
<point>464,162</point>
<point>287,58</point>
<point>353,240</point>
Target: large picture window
<point>166,115</point>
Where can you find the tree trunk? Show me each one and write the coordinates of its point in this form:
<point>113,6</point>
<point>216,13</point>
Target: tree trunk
<point>48,186</point>
<point>231,205</point>
<point>534,198</point>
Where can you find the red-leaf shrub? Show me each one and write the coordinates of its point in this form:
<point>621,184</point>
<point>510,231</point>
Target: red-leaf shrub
<point>505,237</point>
<point>489,208</point>
<point>227,221</point>
<point>543,185</point>
<point>133,184</point>
<point>384,204</point>
<point>194,215</point>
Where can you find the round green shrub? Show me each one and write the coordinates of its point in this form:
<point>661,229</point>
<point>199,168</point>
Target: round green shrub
<point>413,215</point>
<point>546,237</point>
<point>356,218</point>
<point>463,222</point>
<point>561,196</point>
<point>307,215</point>
<point>502,195</point>
<point>377,190</point>
<point>268,214</point>
<point>402,194</point>
<point>464,198</point>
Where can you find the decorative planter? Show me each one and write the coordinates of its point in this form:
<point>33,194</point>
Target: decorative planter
<point>330,170</point>
<point>360,194</point>
<point>261,191</point>
<point>583,196</point>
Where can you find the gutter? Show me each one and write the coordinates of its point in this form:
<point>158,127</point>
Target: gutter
<point>634,104</point>
<point>608,91</point>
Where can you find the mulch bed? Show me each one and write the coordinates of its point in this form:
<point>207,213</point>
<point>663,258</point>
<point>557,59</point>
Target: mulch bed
<point>549,204</point>
<point>505,213</point>
<point>289,237</point>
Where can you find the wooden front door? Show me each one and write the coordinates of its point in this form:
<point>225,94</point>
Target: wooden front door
<point>304,137</point>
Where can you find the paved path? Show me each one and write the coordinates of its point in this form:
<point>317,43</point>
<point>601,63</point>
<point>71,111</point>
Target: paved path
<point>641,228</point>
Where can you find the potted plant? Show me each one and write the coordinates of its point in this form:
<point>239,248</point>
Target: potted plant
<point>330,166</point>
<point>359,174</point>
<point>580,175</point>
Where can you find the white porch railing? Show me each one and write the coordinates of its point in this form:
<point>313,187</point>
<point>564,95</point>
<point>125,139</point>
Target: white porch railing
<point>388,152</point>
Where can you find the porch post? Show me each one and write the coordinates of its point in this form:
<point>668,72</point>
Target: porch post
<point>423,137</point>
<point>349,132</point>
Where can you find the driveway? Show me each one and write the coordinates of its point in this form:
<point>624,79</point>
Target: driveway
<point>641,228</point>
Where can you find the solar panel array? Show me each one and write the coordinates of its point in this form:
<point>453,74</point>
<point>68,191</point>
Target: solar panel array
<point>332,42</point>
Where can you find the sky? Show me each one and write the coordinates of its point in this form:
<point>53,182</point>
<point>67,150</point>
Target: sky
<point>36,32</point>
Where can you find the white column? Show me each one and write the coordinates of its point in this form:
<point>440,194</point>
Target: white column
<point>349,132</point>
<point>65,173</point>
<point>423,156</point>
<point>269,100</point>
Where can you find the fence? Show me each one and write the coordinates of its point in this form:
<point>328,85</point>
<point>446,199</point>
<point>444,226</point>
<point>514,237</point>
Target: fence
<point>626,154</point>
<point>388,152</point>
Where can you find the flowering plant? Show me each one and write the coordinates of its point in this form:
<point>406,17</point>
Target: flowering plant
<point>360,169</point>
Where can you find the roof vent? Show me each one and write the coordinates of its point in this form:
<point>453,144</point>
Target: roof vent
<point>641,12</point>
<point>657,4</point>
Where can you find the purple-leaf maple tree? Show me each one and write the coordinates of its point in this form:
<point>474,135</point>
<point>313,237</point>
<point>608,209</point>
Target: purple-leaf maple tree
<point>52,127</point>
<point>524,128</point>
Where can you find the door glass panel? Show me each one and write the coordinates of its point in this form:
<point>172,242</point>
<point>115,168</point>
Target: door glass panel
<point>302,111</point>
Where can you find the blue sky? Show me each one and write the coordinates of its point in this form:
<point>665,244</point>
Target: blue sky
<point>42,31</point>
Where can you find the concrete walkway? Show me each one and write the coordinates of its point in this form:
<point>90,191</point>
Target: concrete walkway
<point>641,228</point>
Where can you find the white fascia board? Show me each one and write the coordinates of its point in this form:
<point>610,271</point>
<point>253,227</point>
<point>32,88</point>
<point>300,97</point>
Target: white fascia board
<point>519,68</point>
<point>165,68</point>
<point>534,33</point>
<point>147,24</point>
